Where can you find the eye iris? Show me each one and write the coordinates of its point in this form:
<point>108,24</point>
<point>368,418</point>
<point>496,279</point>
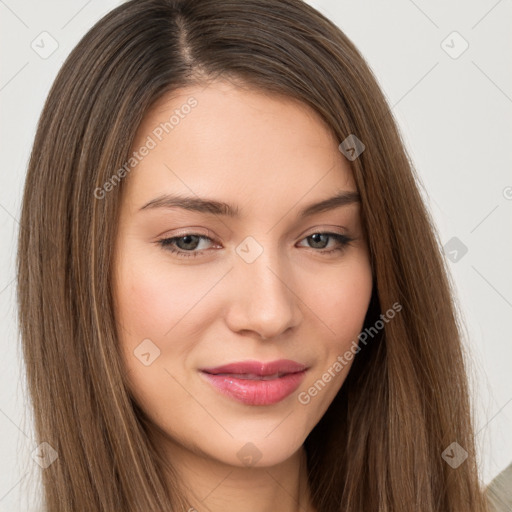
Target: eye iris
<point>315,237</point>
<point>195,242</point>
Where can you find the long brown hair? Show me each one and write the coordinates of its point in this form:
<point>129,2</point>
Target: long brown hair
<point>380,444</point>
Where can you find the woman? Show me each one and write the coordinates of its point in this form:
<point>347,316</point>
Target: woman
<point>304,353</point>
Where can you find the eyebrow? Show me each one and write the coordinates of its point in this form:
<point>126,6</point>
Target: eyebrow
<point>197,204</point>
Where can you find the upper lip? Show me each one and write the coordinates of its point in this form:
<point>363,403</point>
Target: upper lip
<point>280,367</point>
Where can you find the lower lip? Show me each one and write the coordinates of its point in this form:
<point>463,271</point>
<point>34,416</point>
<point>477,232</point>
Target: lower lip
<point>256,392</point>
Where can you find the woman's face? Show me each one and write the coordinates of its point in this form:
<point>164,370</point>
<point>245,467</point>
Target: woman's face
<point>261,283</point>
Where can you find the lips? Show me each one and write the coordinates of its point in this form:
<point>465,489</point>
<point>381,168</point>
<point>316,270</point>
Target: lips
<point>255,382</point>
<point>259,369</point>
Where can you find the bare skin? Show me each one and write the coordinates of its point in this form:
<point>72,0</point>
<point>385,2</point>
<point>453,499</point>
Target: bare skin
<point>270,157</point>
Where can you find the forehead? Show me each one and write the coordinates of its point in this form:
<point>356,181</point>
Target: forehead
<point>238,144</point>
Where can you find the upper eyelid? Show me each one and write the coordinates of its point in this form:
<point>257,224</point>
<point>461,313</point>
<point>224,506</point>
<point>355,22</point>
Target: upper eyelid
<point>306,233</point>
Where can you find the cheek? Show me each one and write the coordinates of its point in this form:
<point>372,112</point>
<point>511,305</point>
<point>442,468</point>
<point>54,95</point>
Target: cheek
<point>343,301</point>
<point>341,305</point>
<point>152,299</point>
<point>145,303</point>
<point>147,307</point>
<point>158,308</point>
<point>149,303</point>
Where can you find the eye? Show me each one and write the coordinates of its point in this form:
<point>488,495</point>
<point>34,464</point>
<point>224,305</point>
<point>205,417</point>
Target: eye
<point>321,239</point>
<point>186,245</point>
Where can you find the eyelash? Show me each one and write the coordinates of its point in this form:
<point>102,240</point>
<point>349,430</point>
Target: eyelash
<point>165,243</point>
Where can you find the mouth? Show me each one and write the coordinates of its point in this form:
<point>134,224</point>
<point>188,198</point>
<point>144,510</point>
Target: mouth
<point>256,383</point>
<point>250,376</point>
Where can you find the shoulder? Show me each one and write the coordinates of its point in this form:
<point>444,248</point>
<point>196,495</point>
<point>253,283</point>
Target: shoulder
<point>499,492</point>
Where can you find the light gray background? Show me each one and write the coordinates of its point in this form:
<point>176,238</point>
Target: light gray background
<point>455,117</point>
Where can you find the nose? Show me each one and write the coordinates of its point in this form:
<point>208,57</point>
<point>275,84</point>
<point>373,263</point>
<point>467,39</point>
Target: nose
<point>264,300</point>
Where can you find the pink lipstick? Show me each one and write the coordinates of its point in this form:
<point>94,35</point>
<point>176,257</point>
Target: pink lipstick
<point>257,383</point>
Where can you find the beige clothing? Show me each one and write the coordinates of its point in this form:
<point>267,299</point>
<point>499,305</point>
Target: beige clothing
<point>499,492</point>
